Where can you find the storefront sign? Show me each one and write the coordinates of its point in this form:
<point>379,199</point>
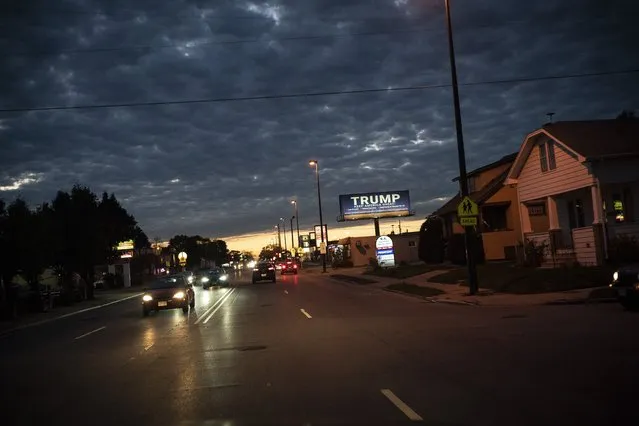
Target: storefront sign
<point>385,252</point>
<point>372,205</point>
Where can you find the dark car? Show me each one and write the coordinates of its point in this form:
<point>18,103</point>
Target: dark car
<point>264,271</point>
<point>626,282</point>
<point>168,292</point>
<point>289,267</point>
<point>213,277</point>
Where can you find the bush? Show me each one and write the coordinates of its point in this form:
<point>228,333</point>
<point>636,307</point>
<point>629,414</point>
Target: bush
<point>431,247</point>
<point>623,249</point>
<point>534,254</point>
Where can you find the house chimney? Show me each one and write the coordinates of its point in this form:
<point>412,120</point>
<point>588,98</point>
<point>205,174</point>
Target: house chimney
<point>550,114</point>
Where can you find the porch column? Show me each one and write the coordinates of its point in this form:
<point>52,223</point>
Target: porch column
<point>525,219</point>
<point>597,205</point>
<point>553,219</point>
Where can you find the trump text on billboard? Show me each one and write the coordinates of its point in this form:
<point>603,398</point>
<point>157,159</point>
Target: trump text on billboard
<point>374,205</point>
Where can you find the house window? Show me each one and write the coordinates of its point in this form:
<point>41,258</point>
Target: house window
<point>622,205</point>
<point>542,157</point>
<point>411,244</point>
<point>495,218</point>
<point>552,163</point>
<point>547,156</point>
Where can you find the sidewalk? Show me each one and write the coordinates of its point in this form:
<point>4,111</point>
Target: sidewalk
<point>102,297</point>
<point>457,294</point>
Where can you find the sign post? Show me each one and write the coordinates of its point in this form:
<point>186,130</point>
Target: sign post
<point>385,252</point>
<point>468,213</point>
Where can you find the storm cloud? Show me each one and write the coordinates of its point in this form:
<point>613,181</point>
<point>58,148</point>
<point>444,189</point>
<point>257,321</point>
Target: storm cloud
<point>232,167</point>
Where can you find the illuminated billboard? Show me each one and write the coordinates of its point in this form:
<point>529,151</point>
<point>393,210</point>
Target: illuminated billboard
<point>372,205</point>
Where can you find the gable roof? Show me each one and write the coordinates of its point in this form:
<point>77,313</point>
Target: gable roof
<point>479,197</point>
<point>506,159</point>
<point>589,140</point>
<point>596,139</point>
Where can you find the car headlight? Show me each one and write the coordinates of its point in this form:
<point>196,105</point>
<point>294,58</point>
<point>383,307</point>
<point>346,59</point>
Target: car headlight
<point>615,276</point>
<point>190,279</point>
<point>223,278</point>
<point>255,270</point>
<point>147,298</point>
<point>205,279</point>
<point>179,295</point>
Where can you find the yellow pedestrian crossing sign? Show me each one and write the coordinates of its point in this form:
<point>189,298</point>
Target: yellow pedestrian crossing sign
<point>467,208</point>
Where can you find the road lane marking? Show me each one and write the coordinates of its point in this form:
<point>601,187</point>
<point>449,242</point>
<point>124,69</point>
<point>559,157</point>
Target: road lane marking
<point>91,332</point>
<point>306,313</point>
<point>412,415</point>
<point>146,348</point>
<point>206,312</point>
<point>226,296</point>
<point>285,291</point>
<point>81,311</point>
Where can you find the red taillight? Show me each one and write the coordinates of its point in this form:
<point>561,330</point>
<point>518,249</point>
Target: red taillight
<point>295,266</point>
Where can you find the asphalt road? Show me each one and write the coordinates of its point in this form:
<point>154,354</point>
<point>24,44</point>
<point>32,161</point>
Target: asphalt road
<point>311,351</point>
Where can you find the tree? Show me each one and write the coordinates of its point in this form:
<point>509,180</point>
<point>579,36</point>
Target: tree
<point>269,252</point>
<point>140,240</point>
<point>627,114</point>
<point>431,240</point>
<point>198,248</point>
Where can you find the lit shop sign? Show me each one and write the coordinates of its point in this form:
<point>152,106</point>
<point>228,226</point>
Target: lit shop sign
<point>372,205</point>
<point>125,245</point>
<point>385,252</point>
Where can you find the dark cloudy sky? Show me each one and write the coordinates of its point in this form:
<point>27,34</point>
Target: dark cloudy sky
<point>228,168</point>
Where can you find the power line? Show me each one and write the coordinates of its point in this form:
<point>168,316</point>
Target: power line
<point>316,94</point>
<point>211,43</point>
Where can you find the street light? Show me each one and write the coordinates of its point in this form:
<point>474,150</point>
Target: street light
<point>473,285</point>
<point>297,220</point>
<point>279,237</point>
<point>314,163</point>
<point>284,232</point>
<point>292,237</point>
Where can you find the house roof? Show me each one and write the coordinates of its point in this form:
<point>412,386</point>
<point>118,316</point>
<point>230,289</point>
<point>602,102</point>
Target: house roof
<point>479,197</point>
<point>589,140</point>
<point>506,159</point>
<point>598,138</point>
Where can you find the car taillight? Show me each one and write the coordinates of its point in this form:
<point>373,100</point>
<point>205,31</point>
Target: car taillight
<point>295,266</point>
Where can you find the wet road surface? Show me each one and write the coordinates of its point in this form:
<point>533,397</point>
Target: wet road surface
<point>311,351</point>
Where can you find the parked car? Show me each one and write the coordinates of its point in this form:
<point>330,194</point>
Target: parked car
<point>289,267</point>
<point>626,282</point>
<point>264,271</point>
<point>168,292</point>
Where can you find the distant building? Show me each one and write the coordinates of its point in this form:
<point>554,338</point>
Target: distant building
<point>360,250</point>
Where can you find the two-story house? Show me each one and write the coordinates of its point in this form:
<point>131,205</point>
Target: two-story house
<point>578,187</point>
<point>499,222</point>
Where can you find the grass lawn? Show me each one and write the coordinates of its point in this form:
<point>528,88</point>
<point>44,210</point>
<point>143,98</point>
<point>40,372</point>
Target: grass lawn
<point>506,278</point>
<point>408,270</point>
<point>353,279</point>
<point>415,289</point>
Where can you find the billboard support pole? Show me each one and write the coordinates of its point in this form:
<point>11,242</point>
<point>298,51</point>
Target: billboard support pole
<point>376,221</point>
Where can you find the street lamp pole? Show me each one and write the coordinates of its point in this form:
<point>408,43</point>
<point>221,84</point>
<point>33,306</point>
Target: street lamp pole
<point>279,237</point>
<point>292,237</point>
<point>297,220</point>
<point>284,232</point>
<point>319,202</point>
<point>469,231</point>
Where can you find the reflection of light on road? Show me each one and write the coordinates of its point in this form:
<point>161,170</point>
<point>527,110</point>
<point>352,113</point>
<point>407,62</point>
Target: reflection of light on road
<point>206,296</point>
<point>149,338</point>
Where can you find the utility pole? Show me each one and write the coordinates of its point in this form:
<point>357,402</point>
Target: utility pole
<point>473,284</point>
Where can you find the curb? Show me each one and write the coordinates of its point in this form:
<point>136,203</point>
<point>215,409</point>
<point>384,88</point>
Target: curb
<point>581,301</point>
<point>414,296</point>
<point>456,302</point>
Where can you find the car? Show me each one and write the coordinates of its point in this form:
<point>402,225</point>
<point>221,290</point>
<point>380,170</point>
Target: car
<point>214,277</point>
<point>264,271</point>
<point>289,267</point>
<point>168,292</point>
<point>626,283</point>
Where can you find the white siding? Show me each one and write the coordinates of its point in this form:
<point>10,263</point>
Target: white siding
<point>584,245</point>
<point>569,175</point>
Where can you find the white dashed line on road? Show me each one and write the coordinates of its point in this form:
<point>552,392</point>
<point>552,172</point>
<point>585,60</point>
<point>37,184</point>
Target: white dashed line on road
<point>412,415</point>
<point>146,348</point>
<point>306,314</point>
<point>285,291</point>
<point>90,332</point>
